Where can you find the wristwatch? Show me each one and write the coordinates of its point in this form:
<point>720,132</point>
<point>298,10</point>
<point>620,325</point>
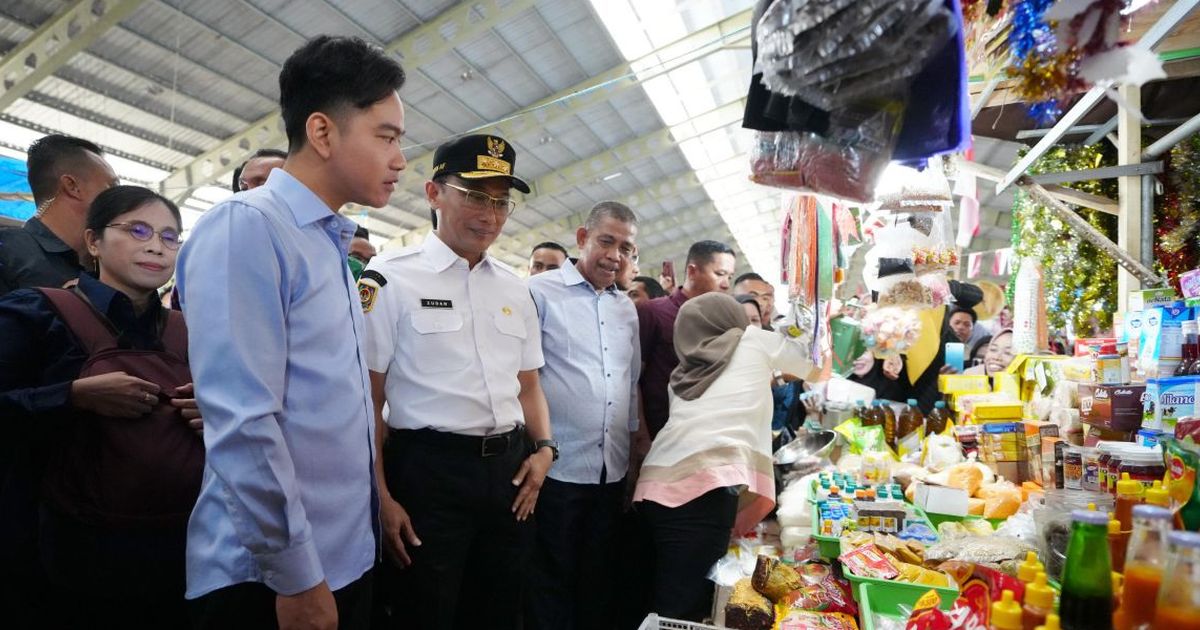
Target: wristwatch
<point>553,444</point>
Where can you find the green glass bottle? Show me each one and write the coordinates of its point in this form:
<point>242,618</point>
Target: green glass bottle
<point>1086,601</point>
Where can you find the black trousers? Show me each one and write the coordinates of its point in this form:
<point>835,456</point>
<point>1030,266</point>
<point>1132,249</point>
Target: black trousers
<point>251,606</point>
<point>468,571</point>
<point>573,570</point>
<point>688,540</point>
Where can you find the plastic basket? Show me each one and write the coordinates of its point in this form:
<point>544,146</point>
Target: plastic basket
<point>886,601</point>
<point>894,590</point>
<point>830,547</point>
<point>654,622</point>
<point>937,519</point>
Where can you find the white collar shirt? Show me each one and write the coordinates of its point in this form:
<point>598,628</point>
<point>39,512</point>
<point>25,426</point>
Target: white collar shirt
<point>450,338</point>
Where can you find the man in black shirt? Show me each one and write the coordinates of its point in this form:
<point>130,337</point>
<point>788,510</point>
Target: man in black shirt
<point>65,175</point>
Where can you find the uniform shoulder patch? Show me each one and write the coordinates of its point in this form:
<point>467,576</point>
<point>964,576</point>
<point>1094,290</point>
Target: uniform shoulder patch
<point>369,284</point>
<point>371,274</point>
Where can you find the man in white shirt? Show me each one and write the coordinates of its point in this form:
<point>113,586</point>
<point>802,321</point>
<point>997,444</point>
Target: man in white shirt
<point>453,348</point>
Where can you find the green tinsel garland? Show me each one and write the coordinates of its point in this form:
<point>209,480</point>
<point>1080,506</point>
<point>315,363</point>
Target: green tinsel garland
<point>1080,280</point>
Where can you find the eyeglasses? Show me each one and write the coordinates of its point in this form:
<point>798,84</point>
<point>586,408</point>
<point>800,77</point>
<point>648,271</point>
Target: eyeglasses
<point>479,201</point>
<point>142,231</point>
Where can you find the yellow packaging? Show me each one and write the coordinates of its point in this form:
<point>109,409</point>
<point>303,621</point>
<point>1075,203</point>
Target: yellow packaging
<point>1008,384</point>
<point>963,384</point>
<point>998,410</point>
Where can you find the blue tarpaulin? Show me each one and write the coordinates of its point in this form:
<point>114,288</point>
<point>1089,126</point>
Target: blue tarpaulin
<point>14,181</point>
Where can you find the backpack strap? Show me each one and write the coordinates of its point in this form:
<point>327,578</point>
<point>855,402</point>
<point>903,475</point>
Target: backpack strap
<point>174,334</point>
<point>94,332</point>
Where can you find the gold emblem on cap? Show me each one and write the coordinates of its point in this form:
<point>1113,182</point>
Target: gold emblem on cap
<point>495,147</point>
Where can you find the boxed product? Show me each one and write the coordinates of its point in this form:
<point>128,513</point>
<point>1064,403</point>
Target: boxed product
<point>1113,407</point>
<point>1003,442</point>
<point>1167,400</point>
<point>1007,384</point>
<point>1189,283</point>
<point>941,499</point>
<point>997,410</point>
<point>963,384</point>
<point>1161,344</point>
<point>1141,300</point>
<point>847,343</point>
<point>1040,438</point>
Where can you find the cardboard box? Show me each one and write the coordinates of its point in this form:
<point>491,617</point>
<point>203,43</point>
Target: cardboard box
<point>941,499</point>
<point>998,410</point>
<point>1007,384</point>
<point>1161,346</point>
<point>1167,400</point>
<point>1112,407</point>
<point>1003,442</point>
<point>962,384</point>
<point>1016,472</point>
<point>1141,300</point>
<point>1039,440</point>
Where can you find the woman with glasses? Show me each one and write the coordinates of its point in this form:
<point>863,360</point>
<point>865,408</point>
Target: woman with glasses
<point>104,454</point>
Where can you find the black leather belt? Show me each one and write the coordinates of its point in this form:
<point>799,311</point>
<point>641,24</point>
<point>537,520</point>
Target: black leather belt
<point>476,445</point>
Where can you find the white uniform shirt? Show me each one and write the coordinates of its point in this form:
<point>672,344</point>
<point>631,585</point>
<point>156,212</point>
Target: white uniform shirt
<point>451,339</point>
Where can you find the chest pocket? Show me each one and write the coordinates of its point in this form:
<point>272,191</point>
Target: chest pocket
<point>619,341</point>
<point>440,344</point>
<point>510,342</point>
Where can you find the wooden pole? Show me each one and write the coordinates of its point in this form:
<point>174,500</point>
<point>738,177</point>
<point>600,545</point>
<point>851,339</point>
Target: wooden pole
<point>1129,199</point>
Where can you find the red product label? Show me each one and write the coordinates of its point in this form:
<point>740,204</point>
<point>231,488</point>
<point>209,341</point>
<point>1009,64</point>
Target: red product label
<point>1176,467</point>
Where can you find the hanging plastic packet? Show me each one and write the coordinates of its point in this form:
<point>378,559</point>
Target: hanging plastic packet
<point>1182,459</point>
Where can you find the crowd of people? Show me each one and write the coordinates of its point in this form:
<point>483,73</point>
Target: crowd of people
<point>275,425</point>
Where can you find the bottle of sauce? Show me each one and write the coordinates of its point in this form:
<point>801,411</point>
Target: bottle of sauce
<point>1179,598</point>
<point>1087,593</point>
<point>1039,602</point>
<point>1052,623</point>
<point>1130,492</point>
<point>1190,347</point>
<point>937,419</point>
<point>1117,543</point>
<point>1006,613</point>
<point>1029,568</point>
<point>910,428</point>
<point>1147,558</point>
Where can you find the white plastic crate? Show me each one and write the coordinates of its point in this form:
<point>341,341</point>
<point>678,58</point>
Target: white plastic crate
<point>654,622</point>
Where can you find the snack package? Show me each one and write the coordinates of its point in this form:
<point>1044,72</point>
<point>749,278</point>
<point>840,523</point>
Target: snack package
<point>926,614</point>
<point>979,586</point>
<point>831,594</point>
<point>747,609</point>
<point>774,579</point>
<point>808,620</point>
<point>1182,458</point>
<point>941,451</point>
<point>869,561</point>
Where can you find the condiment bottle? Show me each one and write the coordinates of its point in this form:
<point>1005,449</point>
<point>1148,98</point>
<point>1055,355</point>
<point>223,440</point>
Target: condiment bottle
<point>1156,494</point>
<point>1051,623</point>
<point>1129,494</point>
<point>1028,570</point>
<point>1087,593</point>
<point>1179,598</point>
<point>1144,569</point>
<point>1006,613</point>
<point>1118,541</point>
<point>1039,602</point>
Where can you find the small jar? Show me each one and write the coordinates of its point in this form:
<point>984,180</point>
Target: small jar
<point>1073,469</point>
<point>1144,466</point>
<point>1091,469</point>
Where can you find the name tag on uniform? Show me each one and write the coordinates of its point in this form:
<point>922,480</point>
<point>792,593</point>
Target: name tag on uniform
<point>444,304</point>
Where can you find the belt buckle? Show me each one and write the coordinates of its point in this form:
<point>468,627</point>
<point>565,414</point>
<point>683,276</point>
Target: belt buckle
<point>488,451</point>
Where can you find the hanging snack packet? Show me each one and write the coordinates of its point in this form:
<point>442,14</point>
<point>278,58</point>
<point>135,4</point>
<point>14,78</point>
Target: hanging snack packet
<point>1182,459</point>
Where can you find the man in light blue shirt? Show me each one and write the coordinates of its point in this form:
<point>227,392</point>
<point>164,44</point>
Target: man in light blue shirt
<point>284,532</point>
<point>593,360</point>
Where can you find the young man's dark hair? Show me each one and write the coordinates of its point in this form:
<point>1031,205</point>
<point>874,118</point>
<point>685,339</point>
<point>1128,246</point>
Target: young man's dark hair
<point>702,252</point>
<point>750,275</point>
<point>551,245</point>
<point>49,157</point>
<point>362,232</point>
<point>653,288</point>
<point>236,185</point>
<point>330,74</point>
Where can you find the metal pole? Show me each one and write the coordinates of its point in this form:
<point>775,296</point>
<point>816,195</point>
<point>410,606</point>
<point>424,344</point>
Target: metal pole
<point>1147,250</point>
<point>1173,138</point>
<point>1095,237</point>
